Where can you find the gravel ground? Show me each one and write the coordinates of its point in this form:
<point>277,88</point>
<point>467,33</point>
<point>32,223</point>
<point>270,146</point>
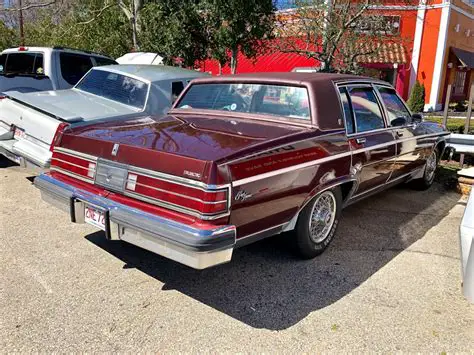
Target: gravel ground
<point>389,282</point>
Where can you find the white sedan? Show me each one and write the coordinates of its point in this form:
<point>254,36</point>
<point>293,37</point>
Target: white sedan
<point>31,123</point>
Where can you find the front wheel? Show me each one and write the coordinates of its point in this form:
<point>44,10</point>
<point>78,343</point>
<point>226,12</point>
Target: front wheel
<point>427,180</point>
<point>318,222</point>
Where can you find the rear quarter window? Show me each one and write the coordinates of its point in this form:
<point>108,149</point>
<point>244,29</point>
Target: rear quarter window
<point>74,66</point>
<point>3,59</point>
<point>104,61</point>
<point>23,63</point>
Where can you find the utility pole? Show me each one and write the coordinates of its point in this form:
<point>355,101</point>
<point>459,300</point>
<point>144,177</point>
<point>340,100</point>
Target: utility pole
<point>22,32</point>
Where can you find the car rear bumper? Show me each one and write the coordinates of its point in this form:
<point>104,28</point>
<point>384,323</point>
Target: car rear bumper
<point>199,247</point>
<point>27,154</point>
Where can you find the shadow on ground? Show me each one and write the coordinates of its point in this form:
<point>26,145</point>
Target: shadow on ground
<point>266,286</point>
<point>5,163</point>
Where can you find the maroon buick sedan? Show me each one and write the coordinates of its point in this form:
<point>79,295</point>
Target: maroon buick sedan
<point>240,158</point>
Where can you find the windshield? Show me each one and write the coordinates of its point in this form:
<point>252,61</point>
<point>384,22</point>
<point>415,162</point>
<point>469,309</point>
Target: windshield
<point>114,86</point>
<point>276,100</point>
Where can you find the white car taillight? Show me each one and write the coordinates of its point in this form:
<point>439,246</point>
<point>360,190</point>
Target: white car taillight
<point>91,170</point>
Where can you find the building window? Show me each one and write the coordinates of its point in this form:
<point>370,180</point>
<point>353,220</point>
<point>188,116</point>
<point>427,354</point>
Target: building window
<point>459,82</point>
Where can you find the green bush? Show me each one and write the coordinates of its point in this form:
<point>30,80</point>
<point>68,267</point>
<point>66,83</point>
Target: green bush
<point>455,125</point>
<point>416,102</point>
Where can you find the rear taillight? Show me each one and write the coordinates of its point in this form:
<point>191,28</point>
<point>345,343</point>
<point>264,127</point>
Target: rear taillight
<point>58,135</point>
<point>198,201</point>
<point>2,97</point>
<point>68,163</point>
<point>22,49</point>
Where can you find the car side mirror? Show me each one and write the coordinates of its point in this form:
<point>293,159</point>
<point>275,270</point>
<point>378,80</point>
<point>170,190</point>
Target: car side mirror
<point>417,118</point>
<point>399,122</point>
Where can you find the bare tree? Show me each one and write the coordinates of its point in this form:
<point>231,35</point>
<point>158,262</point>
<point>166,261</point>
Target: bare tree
<point>132,11</point>
<point>15,13</point>
<point>337,33</point>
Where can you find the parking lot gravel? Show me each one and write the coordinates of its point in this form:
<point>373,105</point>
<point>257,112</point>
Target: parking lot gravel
<point>389,282</point>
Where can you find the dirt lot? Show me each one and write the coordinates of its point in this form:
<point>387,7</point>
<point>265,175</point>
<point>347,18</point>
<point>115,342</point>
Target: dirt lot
<point>389,282</point>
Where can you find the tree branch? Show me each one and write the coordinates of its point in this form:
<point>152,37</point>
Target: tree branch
<point>125,9</point>
<point>28,7</point>
<point>99,13</point>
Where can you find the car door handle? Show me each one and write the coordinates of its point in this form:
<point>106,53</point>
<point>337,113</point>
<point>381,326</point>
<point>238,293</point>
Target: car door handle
<point>361,140</point>
<point>399,134</point>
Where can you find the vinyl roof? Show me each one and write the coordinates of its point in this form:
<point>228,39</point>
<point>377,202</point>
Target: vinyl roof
<point>286,77</point>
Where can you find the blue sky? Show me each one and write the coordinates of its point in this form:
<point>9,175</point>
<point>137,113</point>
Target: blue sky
<point>284,4</point>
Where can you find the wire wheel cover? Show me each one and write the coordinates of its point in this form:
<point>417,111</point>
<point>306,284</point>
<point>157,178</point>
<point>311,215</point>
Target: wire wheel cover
<point>322,216</point>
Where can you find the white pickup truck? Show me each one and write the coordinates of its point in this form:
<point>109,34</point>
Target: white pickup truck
<point>29,69</point>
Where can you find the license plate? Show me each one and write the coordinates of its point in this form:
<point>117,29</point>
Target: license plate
<point>19,133</point>
<point>95,217</point>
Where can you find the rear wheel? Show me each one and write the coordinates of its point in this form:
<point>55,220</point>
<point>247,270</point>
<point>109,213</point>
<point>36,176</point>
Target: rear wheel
<point>318,222</point>
<point>429,173</point>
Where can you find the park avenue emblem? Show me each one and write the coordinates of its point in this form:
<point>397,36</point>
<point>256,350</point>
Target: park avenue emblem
<point>242,196</point>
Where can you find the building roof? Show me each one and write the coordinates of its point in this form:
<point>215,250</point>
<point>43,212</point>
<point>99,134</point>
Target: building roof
<point>383,53</point>
<point>153,72</point>
<point>465,57</point>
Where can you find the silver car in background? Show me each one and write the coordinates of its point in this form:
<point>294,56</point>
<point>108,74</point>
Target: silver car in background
<point>30,123</point>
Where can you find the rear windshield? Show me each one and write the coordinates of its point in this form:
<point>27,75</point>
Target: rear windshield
<point>114,86</point>
<point>276,100</point>
<point>22,63</point>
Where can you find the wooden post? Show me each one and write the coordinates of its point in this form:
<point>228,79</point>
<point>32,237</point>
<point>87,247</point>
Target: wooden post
<point>22,31</point>
<point>446,105</point>
<point>468,120</point>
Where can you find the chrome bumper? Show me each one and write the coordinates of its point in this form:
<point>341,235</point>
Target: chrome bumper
<point>24,157</point>
<point>195,247</point>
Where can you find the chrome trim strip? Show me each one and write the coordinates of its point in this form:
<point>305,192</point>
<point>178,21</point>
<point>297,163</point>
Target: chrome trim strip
<point>71,174</point>
<point>175,179</point>
<point>174,207</point>
<point>322,160</point>
<point>288,169</point>
<point>77,166</point>
<point>388,182</point>
<point>181,195</point>
<point>75,154</point>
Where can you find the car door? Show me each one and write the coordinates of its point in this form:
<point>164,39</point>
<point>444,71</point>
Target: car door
<point>372,144</point>
<point>411,150</point>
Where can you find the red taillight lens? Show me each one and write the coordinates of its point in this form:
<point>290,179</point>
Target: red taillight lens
<point>2,97</point>
<point>22,49</point>
<point>77,166</point>
<point>58,135</point>
<point>202,202</point>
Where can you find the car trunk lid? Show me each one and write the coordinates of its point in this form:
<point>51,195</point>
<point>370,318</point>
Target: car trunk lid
<point>185,145</point>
